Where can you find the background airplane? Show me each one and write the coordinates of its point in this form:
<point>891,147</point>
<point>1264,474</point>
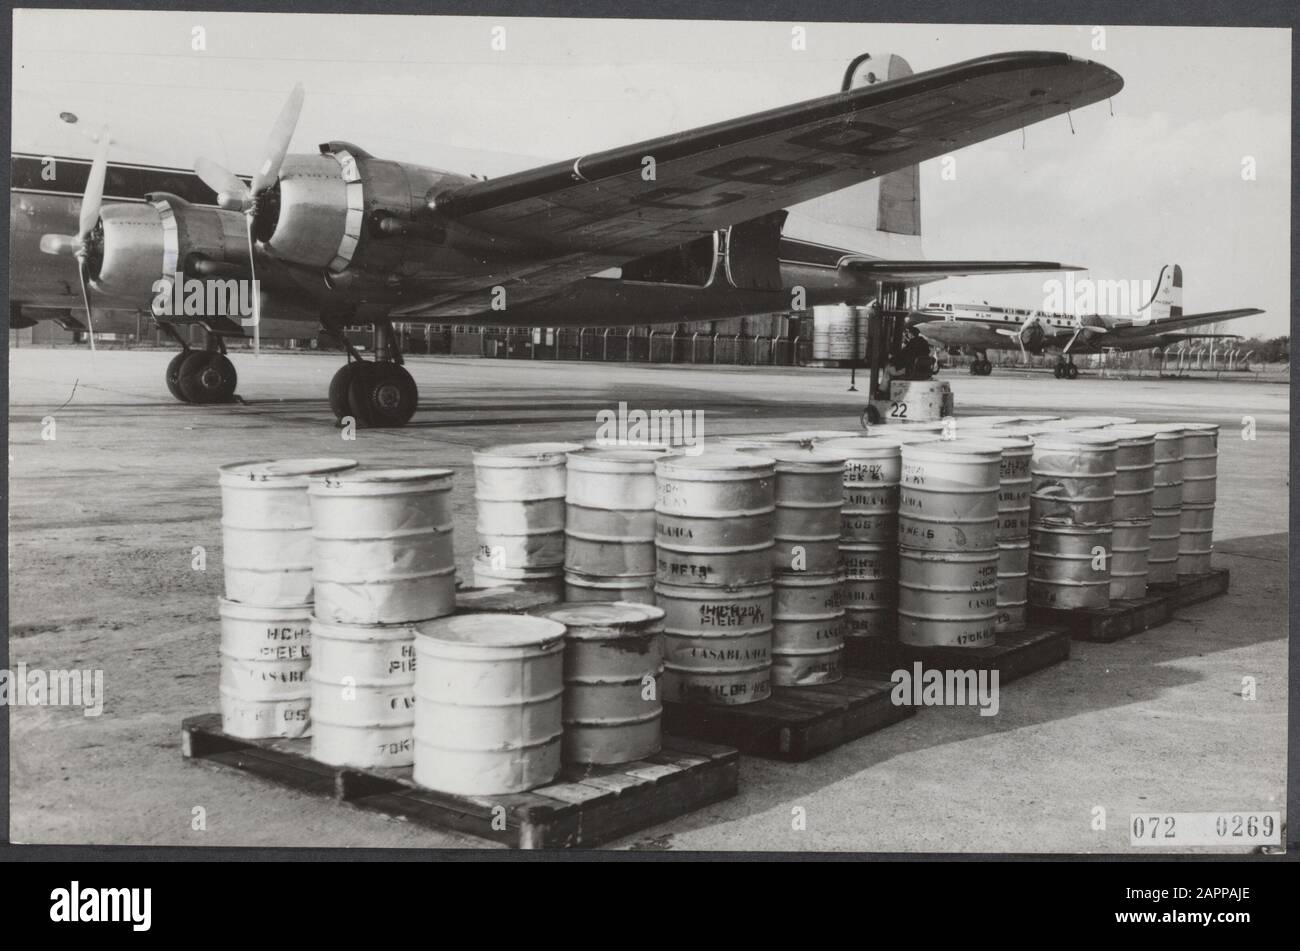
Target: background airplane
<point>980,327</point>
<point>341,237</point>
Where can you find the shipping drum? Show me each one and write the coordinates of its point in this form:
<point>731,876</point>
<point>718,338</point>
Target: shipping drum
<point>1130,550</point>
<point>869,502</point>
<point>717,643</point>
<point>1014,485</point>
<point>1195,538</point>
<point>947,598</point>
<point>1073,479</point>
<point>1165,538</point>
<point>1063,560</point>
<point>1013,585</point>
<point>489,692</point>
<point>544,581</point>
<point>948,500</point>
<point>1135,471</point>
<point>715,485</point>
<point>265,659</point>
<point>610,520</point>
<point>613,659</point>
<point>808,630</point>
<point>1200,462</point>
<point>362,694</point>
<point>383,547</point>
<point>519,495</point>
<point>1168,477</point>
<point>808,497</point>
<point>869,592</point>
<point>266,529</point>
<point>580,587</point>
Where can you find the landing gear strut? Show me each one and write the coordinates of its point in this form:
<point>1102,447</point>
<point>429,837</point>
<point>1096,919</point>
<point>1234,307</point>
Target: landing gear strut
<point>981,366</point>
<point>200,376</point>
<point>1066,370</point>
<point>376,393</point>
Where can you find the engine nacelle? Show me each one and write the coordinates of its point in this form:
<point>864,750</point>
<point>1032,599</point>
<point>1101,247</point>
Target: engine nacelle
<point>1034,337</point>
<point>345,209</point>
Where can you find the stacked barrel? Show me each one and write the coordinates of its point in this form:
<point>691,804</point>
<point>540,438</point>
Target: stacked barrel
<point>807,617</point>
<point>714,551</point>
<point>609,531</point>
<point>613,660</point>
<point>1072,508</point>
<point>948,554</point>
<point>1200,478</point>
<point>1014,486</point>
<point>869,533</point>
<point>266,529</point>
<point>519,491</point>
<point>1166,504</point>
<point>383,561</point>
<point>1134,489</point>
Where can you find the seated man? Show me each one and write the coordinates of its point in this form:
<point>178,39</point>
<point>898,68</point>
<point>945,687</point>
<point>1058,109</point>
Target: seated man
<point>912,360</point>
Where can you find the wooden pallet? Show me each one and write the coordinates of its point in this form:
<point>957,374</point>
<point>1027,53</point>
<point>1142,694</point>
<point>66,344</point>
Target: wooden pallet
<point>1013,656</point>
<point>586,807</point>
<point>1125,618</point>
<point>795,723</point>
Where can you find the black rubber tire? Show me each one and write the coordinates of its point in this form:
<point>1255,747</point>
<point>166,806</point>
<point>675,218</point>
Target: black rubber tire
<point>339,386</point>
<point>383,395</point>
<point>1056,371</point>
<point>207,377</point>
<point>1072,372</point>
<point>173,375</point>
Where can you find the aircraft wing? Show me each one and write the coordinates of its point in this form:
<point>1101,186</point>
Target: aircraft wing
<point>1150,327</point>
<point>935,270</point>
<point>1196,336</point>
<point>632,201</point>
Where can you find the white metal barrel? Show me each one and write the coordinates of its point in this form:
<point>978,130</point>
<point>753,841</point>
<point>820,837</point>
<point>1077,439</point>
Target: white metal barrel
<point>1013,585</point>
<point>1015,483</point>
<point>717,643</point>
<point>1135,471</point>
<point>808,496</point>
<point>715,484</point>
<point>947,598</point>
<point>869,591</point>
<point>1069,565</point>
<point>869,503</point>
<point>807,630</point>
<point>266,529</point>
<point>265,657</point>
<point>1073,479</point>
<point>1195,538</point>
<point>519,495</point>
<point>1130,551</point>
<point>613,660</point>
<point>489,692</point>
<point>544,581</point>
<point>1165,537</point>
<point>1168,474</point>
<point>1200,462</point>
<point>948,499</point>
<point>363,694</point>
<point>610,520</point>
<point>580,587</point>
<point>383,545</point>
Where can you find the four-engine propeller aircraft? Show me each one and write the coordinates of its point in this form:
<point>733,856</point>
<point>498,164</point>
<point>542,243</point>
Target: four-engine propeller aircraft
<point>981,327</point>
<point>687,226</point>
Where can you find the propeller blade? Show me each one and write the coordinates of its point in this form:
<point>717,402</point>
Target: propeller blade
<point>257,297</point>
<point>85,296</point>
<point>226,184</point>
<point>1078,330</point>
<point>277,143</point>
<point>94,196</point>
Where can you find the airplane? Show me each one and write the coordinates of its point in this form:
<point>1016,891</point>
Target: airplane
<point>342,237</point>
<point>980,327</point>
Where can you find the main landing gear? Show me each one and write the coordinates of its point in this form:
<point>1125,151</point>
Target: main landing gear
<point>376,393</point>
<point>1065,370</point>
<point>981,366</point>
<point>201,376</point>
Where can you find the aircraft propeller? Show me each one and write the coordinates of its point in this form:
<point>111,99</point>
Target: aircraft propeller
<point>79,245</point>
<point>234,195</point>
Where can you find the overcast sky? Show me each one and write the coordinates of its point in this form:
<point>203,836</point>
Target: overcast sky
<point>1160,181</point>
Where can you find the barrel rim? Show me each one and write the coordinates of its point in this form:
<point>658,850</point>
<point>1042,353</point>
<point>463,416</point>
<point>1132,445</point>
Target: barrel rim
<point>378,475</point>
<point>718,461</point>
<point>601,620</point>
<point>223,604</point>
<point>284,470</point>
<point>490,630</point>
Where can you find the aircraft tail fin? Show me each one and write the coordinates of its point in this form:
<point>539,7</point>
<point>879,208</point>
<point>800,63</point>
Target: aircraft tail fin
<point>898,206</point>
<point>1167,301</point>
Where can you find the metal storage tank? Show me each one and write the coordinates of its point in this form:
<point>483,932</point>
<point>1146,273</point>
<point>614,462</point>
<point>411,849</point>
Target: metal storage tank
<point>610,524</point>
<point>807,631</point>
<point>265,659</point>
<point>839,333</point>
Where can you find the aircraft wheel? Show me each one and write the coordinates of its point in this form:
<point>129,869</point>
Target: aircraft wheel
<point>975,368</point>
<point>383,394</point>
<point>339,387</point>
<point>206,377</point>
<point>1056,370</point>
<point>173,375</point>
<point>1071,371</point>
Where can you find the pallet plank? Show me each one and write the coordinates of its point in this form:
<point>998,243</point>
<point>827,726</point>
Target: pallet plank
<point>1125,618</point>
<point>1014,655</point>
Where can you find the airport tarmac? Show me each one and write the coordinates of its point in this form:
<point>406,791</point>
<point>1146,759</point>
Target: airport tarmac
<point>104,518</point>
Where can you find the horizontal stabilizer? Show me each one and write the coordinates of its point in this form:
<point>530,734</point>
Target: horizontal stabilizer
<point>934,270</point>
<point>1189,320</point>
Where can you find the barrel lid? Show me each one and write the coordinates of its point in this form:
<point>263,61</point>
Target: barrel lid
<point>758,437</point>
<point>598,620</point>
<point>596,457</point>
<point>528,450</point>
<point>1096,422</point>
<point>716,462</point>
<point>1037,418</point>
<point>284,470</point>
<point>1130,433</point>
<point>973,446</point>
<point>794,459</point>
<point>860,447</point>
<point>491,630</point>
<point>1196,427</point>
<point>590,446</point>
<point>900,435</point>
<point>1087,437</point>
<point>386,476</point>
<point>821,435</point>
<point>1166,429</point>
<point>987,420</point>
